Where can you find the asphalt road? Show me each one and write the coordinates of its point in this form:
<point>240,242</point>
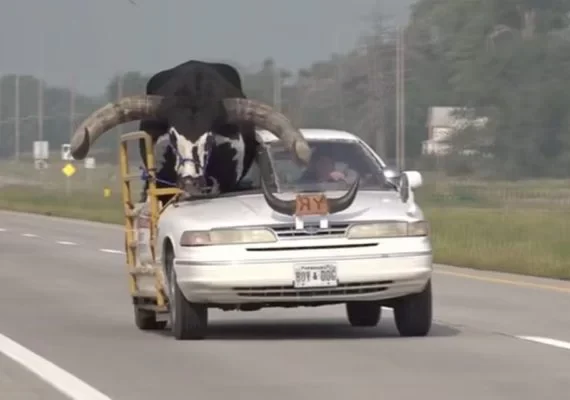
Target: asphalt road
<point>64,292</point>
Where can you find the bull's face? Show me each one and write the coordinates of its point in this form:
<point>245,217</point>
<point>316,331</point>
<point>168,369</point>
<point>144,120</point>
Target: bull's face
<point>192,160</point>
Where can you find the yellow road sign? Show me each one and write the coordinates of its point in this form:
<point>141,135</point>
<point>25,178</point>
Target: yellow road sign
<point>107,192</point>
<point>68,170</point>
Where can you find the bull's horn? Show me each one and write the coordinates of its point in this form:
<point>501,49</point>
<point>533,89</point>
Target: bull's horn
<point>288,206</point>
<point>262,115</point>
<point>107,117</point>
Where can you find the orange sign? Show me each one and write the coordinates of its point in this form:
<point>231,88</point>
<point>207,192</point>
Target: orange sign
<point>311,204</point>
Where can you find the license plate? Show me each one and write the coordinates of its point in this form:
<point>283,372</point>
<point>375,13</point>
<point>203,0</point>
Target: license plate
<point>311,276</point>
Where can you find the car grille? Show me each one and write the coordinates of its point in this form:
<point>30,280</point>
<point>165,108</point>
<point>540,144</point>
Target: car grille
<point>312,247</point>
<point>310,230</point>
<point>290,291</point>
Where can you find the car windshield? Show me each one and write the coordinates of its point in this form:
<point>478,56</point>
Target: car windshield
<point>335,164</point>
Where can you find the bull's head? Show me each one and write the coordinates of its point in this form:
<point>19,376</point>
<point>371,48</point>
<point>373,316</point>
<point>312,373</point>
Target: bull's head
<point>191,150</point>
<point>191,154</point>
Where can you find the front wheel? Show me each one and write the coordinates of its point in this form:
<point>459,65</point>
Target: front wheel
<point>413,313</point>
<point>189,321</point>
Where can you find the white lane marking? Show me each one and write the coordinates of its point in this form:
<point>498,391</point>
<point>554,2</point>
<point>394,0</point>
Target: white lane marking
<point>548,341</point>
<point>30,235</point>
<point>63,242</point>
<point>111,251</point>
<point>3,230</point>
<point>60,379</point>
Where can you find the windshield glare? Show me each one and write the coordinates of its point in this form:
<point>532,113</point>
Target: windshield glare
<point>334,166</point>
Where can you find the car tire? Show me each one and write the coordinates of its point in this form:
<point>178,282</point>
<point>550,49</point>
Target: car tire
<point>145,320</point>
<point>189,321</point>
<point>363,313</point>
<point>413,313</point>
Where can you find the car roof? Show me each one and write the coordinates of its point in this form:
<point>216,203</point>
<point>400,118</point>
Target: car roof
<point>311,134</point>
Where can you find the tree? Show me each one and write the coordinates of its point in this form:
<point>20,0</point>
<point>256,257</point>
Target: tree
<point>496,53</point>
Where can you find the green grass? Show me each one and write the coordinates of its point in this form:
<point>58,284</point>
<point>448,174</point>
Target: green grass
<point>92,206</point>
<point>485,228</point>
<point>531,242</point>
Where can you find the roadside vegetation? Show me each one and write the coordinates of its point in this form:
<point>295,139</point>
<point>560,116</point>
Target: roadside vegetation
<point>519,228</point>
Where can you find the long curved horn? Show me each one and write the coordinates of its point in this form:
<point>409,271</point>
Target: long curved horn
<point>262,115</point>
<point>127,109</point>
<point>288,206</point>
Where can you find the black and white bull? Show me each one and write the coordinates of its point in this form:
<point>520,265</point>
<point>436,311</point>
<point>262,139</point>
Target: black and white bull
<point>210,125</point>
<point>225,141</point>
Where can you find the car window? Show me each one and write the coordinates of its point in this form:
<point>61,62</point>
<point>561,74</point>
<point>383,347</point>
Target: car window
<point>253,176</point>
<point>349,158</point>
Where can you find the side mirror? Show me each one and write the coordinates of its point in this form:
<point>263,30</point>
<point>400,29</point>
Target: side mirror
<point>415,179</point>
<point>409,181</point>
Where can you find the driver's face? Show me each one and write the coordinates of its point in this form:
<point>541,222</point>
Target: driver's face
<point>324,167</point>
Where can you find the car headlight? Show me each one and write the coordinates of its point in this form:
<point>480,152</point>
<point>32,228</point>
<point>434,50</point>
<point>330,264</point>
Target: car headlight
<point>418,228</point>
<point>388,229</point>
<point>226,236</point>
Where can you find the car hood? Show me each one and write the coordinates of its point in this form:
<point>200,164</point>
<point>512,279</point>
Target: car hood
<point>252,209</point>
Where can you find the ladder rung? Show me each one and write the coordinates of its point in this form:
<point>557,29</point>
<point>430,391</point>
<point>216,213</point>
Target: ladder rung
<point>145,293</point>
<point>143,271</point>
<point>130,177</point>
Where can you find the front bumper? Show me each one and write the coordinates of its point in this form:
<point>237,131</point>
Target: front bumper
<point>362,276</point>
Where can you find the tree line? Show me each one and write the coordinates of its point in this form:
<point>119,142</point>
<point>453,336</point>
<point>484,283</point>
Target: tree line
<point>508,60</point>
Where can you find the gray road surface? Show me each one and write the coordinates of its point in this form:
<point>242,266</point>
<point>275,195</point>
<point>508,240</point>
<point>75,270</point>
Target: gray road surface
<point>16,383</point>
<point>66,300</point>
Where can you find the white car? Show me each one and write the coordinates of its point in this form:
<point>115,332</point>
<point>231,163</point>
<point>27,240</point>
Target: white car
<point>245,251</point>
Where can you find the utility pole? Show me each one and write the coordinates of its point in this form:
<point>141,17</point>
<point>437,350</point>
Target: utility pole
<point>339,79</point>
<point>72,107</point>
<point>120,93</point>
<point>400,100</point>
<point>17,117</point>
<point>1,81</point>
<point>375,97</point>
<point>41,90</point>
<point>276,87</point>
<point>403,96</point>
<point>40,109</point>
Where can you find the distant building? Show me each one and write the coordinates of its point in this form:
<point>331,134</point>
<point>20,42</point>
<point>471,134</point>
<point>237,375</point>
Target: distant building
<point>441,125</point>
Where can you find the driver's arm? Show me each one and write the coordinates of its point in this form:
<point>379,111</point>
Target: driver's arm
<point>337,176</point>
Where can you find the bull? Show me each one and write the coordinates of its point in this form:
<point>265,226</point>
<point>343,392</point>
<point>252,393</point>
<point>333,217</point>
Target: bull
<point>210,125</point>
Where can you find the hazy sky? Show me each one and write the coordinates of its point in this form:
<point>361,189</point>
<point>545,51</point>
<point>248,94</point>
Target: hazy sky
<point>92,39</point>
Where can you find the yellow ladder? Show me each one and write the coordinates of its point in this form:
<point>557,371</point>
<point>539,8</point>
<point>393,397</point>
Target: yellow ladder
<point>150,300</point>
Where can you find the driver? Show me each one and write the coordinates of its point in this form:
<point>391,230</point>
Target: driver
<point>321,170</point>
